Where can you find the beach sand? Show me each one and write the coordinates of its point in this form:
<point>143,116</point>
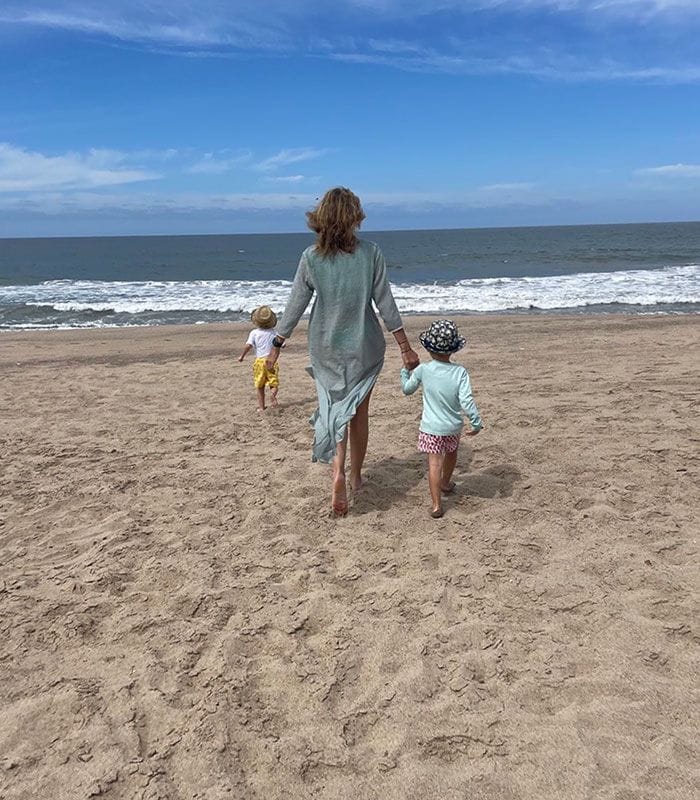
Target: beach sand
<point>181,619</point>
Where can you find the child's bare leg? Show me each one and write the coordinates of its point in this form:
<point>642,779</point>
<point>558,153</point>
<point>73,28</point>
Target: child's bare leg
<point>339,496</point>
<point>435,462</point>
<point>273,396</point>
<point>261,399</point>
<point>448,467</point>
<point>359,434</point>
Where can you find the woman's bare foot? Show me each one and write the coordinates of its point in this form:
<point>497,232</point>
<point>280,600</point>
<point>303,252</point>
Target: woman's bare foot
<point>448,488</point>
<point>436,513</point>
<point>339,497</point>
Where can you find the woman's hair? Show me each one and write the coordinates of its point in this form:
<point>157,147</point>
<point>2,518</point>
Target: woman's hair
<point>335,220</point>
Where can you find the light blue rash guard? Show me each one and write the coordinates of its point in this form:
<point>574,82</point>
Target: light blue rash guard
<point>447,392</point>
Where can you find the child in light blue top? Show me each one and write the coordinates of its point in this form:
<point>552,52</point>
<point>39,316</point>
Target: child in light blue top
<point>447,393</point>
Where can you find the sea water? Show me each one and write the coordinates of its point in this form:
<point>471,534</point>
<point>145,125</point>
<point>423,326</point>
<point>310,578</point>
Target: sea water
<point>157,280</point>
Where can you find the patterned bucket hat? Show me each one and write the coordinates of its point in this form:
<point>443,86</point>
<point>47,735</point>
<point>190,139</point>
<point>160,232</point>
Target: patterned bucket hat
<point>442,337</point>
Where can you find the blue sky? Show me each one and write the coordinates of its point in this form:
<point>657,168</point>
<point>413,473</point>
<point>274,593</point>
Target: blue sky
<point>219,116</point>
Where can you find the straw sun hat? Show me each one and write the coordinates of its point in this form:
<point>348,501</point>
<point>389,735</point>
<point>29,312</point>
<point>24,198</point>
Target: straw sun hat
<point>264,317</point>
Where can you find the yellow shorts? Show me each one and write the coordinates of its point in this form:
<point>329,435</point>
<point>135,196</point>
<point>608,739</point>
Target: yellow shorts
<point>262,376</point>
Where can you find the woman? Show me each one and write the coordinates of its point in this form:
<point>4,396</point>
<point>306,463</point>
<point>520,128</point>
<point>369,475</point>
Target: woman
<point>346,343</point>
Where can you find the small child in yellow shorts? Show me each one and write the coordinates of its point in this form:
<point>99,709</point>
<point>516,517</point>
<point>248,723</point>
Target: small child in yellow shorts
<point>260,338</point>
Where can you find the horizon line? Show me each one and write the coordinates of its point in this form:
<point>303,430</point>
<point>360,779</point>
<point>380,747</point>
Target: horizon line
<point>368,230</point>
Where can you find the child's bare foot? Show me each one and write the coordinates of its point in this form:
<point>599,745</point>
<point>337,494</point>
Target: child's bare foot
<point>355,482</point>
<point>273,402</point>
<point>339,497</point>
<point>436,513</point>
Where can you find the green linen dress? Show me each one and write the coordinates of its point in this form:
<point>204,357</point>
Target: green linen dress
<point>346,342</point>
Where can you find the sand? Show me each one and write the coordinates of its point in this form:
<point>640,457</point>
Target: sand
<point>181,619</point>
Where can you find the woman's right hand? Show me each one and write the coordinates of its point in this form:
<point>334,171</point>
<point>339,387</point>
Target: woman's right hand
<point>410,358</point>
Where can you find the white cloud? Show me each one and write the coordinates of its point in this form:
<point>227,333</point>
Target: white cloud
<point>146,203</point>
<point>508,187</point>
<point>672,171</point>
<point>219,163</point>
<point>491,196</point>
<point>289,156</point>
<point>369,31</point>
<point>425,7</point>
<point>287,178</point>
<point>175,23</point>
<point>549,64</point>
<point>23,170</point>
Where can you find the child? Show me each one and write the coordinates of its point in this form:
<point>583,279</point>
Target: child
<point>261,337</point>
<point>446,392</point>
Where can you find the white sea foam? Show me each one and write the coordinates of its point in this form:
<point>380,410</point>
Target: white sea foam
<point>670,285</point>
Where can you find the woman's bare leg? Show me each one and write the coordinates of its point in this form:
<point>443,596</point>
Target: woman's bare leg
<point>339,495</point>
<point>435,462</point>
<point>359,435</point>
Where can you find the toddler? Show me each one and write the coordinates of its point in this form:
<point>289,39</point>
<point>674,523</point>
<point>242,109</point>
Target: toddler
<point>446,393</point>
<point>261,338</point>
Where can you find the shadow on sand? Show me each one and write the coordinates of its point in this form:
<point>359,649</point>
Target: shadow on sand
<point>391,479</point>
<point>495,481</point>
<point>387,482</point>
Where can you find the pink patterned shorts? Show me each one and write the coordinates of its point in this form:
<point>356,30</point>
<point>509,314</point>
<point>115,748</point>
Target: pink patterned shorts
<point>430,443</point>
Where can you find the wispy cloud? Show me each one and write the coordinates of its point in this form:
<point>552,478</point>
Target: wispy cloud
<point>612,39</point>
<point>175,23</point>
<point>491,196</point>
<point>223,161</point>
<point>287,178</point>
<point>672,171</point>
<point>219,163</point>
<point>627,7</point>
<point>289,156</point>
<point>23,170</point>
<point>547,63</point>
<point>150,203</point>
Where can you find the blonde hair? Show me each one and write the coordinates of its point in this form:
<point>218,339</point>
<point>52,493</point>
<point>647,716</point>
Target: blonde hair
<point>335,220</point>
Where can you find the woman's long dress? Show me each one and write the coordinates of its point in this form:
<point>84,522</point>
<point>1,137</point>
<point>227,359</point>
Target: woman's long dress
<point>346,342</point>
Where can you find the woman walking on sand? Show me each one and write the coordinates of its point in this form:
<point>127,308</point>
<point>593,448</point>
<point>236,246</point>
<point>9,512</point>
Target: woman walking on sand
<point>346,343</point>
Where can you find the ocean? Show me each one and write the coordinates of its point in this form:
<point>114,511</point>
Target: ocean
<point>160,280</point>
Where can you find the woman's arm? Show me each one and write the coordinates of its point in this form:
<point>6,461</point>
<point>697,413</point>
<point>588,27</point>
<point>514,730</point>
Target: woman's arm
<point>386,305</point>
<point>302,291</point>
<point>408,355</point>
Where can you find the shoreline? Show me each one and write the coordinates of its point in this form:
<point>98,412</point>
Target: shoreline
<point>472,315</point>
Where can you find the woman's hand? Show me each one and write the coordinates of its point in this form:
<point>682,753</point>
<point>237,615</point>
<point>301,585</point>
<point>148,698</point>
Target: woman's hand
<point>410,358</point>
